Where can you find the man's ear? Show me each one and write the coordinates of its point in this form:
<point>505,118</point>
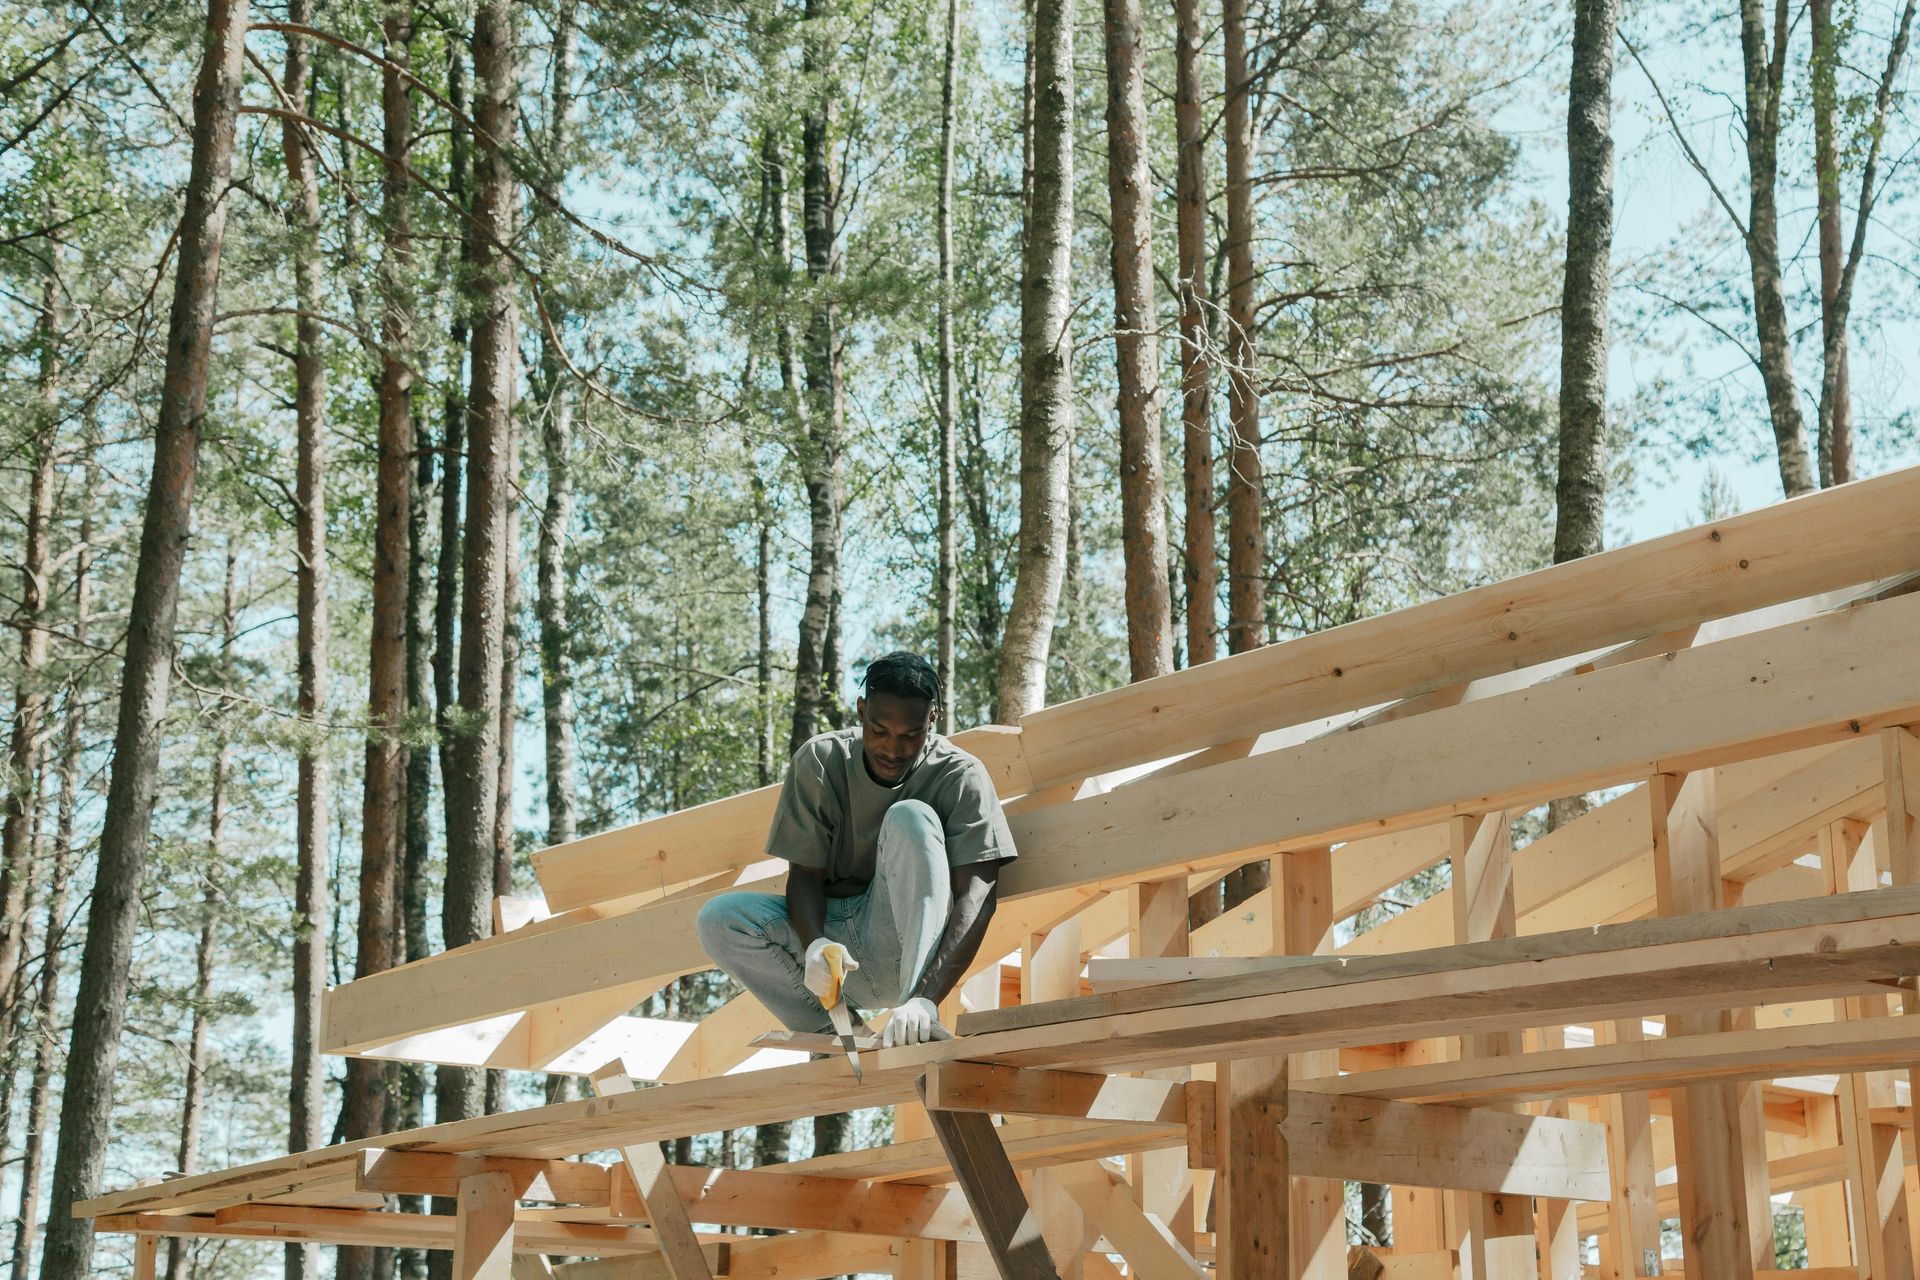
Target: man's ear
<point>860,710</point>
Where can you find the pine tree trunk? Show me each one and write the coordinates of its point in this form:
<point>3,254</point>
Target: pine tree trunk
<point>23,751</point>
<point>1764,65</point>
<point>1143,520</point>
<point>763,613</point>
<point>46,1009</point>
<point>474,749</point>
<point>816,675</point>
<point>496,1086</point>
<point>1580,522</point>
<point>446,600</point>
<point>1246,538</point>
<point>947,588</point>
<point>418,852</point>
<point>1200,571</point>
<point>113,918</point>
<point>384,798</point>
<point>973,471</point>
<point>307,1084</point>
<point>194,1107</point>
<point>1833,438</point>
<point>1046,359</point>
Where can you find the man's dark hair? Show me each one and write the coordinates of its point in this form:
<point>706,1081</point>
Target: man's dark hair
<point>904,675</point>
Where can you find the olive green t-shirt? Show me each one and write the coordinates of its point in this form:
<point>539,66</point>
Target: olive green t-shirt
<point>830,809</point>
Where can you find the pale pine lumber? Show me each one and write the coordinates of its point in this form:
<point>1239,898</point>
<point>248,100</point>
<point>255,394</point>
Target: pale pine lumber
<point>1145,1242</point>
<point>146,1255</point>
<point>987,1180</point>
<point>667,1212</point>
<point>1724,568</point>
<point>483,1228</point>
<point>1850,673</point>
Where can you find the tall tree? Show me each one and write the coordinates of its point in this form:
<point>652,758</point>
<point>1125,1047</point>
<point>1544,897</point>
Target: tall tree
<point>474,748</point>
<point>94,1051</point>
<point>1143,520</point>
<point>1840,254</point>
<point>453,406</point>
<point>46,1008</point>
<point>1200,573</point>
<point>1763,59</point>
<point>193,1108</point>
<point>383,798</point>
<point>556,423</point>
<point>1580,520</point>
<point>1246,537</point>
<point>947,588</point>
<point>816,674</point>
<point>307,1082</point>
<point>1046,370</point>
<point>29,701</point>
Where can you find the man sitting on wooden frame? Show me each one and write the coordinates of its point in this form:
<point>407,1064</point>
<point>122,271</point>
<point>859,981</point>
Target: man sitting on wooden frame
<point>895,840</point>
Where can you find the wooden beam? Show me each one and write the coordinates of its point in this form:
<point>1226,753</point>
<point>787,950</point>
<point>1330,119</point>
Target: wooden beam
<point>1632,1213</point>
<point>1724,568</point>
<point>1157,925</point>
<point>483,1228</point>
<point>1498,1242</point>
<point>1714,1211</point>
<point>425,1173</point>
<point>665,1209</point>
<point>1252,1189</point>
<point>1144,1241</point>
<point>146,1254</point>
<point>985,1087</point>
<point>987,1180</point>
<point>1850,673</point>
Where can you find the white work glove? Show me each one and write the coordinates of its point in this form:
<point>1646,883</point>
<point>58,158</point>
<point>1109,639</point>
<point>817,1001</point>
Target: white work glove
<point>819,978</point>
<point>915,1022</point>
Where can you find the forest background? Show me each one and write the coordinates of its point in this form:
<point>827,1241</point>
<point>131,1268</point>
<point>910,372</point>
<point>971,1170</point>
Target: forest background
<point>460,426</point>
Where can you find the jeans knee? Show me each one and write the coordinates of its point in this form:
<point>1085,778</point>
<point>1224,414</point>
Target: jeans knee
<point>721,926</point>
<point>913,822</point>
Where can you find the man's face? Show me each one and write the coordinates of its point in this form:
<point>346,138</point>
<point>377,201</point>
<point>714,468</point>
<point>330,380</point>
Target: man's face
<point>893,730</point>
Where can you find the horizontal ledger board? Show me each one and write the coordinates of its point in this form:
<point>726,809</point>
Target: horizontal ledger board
<point>1830,678</point>
<point>1851,534</point>
<point>1275,975</point>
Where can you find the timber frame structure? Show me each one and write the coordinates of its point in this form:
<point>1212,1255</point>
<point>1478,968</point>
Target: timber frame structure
<point>1710,972</point>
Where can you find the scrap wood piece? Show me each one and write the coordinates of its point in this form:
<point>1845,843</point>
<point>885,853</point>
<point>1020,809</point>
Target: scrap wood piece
<point>483,1227</point>
<point>1142,1239</point>
<point>665,1209</point>
<point>987,1180</point>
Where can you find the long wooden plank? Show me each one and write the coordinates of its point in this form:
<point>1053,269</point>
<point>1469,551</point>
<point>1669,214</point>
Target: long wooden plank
<point>1850,674</point>
<point>986,1178</point>
<point>1148,1246</point>
<point>1715,570</point>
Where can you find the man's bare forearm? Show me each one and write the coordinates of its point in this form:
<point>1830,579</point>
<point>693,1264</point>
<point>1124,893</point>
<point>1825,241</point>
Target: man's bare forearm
<point>806,904</point>
<point>974,898</point>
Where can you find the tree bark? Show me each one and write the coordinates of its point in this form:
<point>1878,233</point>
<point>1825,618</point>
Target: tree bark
<point>1143,521</point>
<point>46,1009</point>
<point>763,614</point>
<point>474,749</point>
<point>947,589</point>
<point>384,798</point>
<point>93,1054</point>
<point>446,602</point>
<point>816,675</point>
<point>1580,521</point>
<point>1200,572</point>
<point>1763,63</point>
<point>193,1108</point>
<point>307,1082</point>
<point>1837,270</point>
<point>1246,537</point>
<point>23,744</point>
<point>1046,384</point>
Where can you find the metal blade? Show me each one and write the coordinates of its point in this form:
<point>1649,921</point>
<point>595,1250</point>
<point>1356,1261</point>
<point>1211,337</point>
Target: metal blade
<point>843,1027</point>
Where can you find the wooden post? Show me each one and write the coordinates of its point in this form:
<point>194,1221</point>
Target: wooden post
<point>146,1256</point>
<point>1633,1214</point>
<point>665,1210</point>
<point>1302,898</point>
<point>1157,926</point>
<point>1419,1213</point>
<point>1498,1231</point>
<point>1709,1142</point>
<point>1876,1163</point>
<point>986,1177</point>
<point>1557,1221</point>
<point>483,1228</point>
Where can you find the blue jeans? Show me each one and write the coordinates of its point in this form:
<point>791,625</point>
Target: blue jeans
<point>892,929</point>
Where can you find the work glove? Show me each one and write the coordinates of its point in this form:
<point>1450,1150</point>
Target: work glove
<point>823,976</point>
<point>915,1022</point>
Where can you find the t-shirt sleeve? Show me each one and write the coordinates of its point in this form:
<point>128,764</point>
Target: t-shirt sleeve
<point>804,820</point>
<point>976,829</point>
